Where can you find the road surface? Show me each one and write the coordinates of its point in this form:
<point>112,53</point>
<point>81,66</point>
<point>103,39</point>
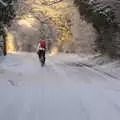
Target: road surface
<point>59,91</point>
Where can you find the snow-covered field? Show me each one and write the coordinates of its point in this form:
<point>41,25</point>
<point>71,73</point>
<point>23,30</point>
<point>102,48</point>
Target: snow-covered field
<point>59,91</point>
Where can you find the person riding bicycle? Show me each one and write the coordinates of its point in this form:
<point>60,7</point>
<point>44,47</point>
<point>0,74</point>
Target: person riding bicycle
<point>41,49</point>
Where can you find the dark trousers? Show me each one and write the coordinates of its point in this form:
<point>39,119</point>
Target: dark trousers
<point>41,53</point>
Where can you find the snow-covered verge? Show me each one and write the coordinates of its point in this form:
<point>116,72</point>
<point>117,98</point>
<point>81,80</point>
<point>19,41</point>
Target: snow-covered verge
<point>99,63</point>
<point>112,68</point>
<point>104,65</point>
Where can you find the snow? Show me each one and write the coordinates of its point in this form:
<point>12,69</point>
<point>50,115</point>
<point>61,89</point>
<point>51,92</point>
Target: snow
<point>59,91</point>
<point>112,68</point>
<point>103,64</point>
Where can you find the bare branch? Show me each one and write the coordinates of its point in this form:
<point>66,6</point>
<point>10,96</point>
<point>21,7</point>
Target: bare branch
<point>56,1</point>
<point>3,3</point>
<point>53,2</point>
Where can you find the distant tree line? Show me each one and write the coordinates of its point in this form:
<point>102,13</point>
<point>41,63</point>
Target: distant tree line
<point>105,16</point>
<point>7,13</point>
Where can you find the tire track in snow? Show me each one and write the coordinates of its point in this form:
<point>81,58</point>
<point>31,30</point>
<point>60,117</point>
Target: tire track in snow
<point>12,83</point>
<point>59,71</point>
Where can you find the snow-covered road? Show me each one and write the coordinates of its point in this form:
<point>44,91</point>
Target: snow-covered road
<point>59,91</point>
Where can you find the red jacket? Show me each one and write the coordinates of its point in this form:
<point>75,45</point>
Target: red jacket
<point>43,44</point>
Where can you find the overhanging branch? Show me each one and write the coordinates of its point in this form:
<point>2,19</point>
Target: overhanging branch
<point>3,3</point>
<point>53,2</point>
